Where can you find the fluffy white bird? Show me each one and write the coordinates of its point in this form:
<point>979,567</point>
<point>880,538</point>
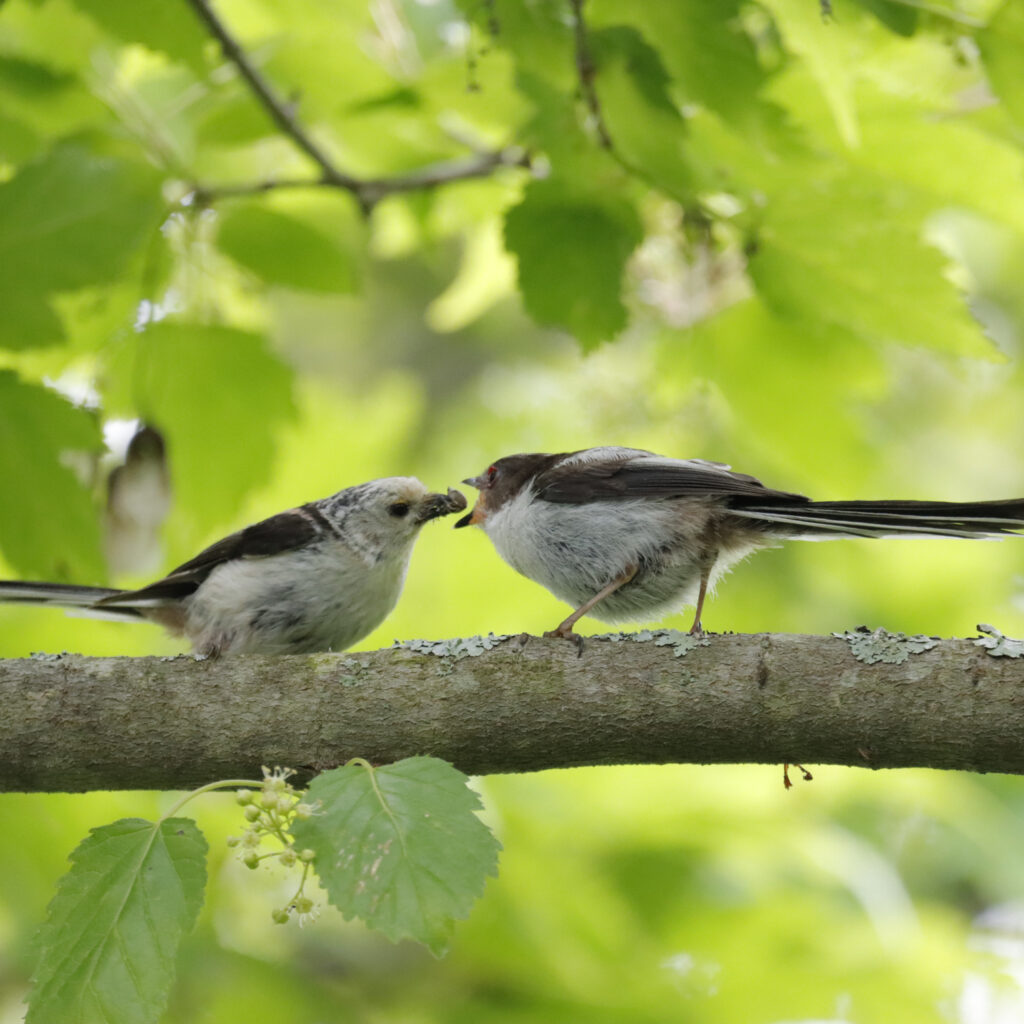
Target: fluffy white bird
<point>631,535</point>
<point>315,578</point>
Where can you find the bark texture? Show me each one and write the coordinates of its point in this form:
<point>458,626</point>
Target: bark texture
<point>71,723</point>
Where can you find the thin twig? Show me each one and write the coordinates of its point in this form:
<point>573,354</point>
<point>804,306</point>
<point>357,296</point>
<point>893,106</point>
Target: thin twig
<point>371,191</point>
<point>279,111</point>
<point>368,192</point>
<point>479,166</point>
<point>585,70</point>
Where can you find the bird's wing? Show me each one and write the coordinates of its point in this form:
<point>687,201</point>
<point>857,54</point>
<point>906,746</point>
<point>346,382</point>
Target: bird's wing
<point>283,532</point>
<point>649,476</point>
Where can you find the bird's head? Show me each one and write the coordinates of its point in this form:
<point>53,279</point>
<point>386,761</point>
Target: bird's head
<point>501,482</point>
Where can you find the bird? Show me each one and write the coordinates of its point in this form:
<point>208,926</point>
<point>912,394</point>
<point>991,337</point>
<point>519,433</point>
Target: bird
<point>626,534</point>
<point>138,503</point>
<point>318,577</point>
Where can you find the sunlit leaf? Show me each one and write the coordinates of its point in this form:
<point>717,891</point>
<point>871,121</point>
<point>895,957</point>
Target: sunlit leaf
<point>108,947</point>
<point>842,251</point>
<point>285,250</point>
<point>175,31</point>
<point>1002,48</point>
<point>830,54</point>
<point>68,220</point>
<point>709,56</point>
<point>38,430</point>
<point>72,219</point>
<point>572,250</point>
<point>400,846</point>
<point>28,319</point>
<point>641,119</point>
<point>219,396</point>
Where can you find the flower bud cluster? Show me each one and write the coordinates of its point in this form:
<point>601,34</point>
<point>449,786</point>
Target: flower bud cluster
<point>269,812</point>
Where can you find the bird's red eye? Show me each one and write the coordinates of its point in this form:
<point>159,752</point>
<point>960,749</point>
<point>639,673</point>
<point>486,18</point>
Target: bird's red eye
<point>491,473</point>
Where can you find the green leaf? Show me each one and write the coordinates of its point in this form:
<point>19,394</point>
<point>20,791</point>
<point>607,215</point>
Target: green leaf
<point>219,396</point>
<point>897,16</point>
<point>572,250</point>
<point>709,56</point>
<point>284,250</point>
<point>18,141</point>
<point>50,103</point>
<point>844,251</point>
<point>155,24</point>
<point>400,846</point>
<point>68,220</point>
<point>646,129</point>
<point>831,56</point>
<point>1002,49</point>
<point>28,320</point>
<point>37,430</point>
<point>108,947</point>
<point>71,219</point>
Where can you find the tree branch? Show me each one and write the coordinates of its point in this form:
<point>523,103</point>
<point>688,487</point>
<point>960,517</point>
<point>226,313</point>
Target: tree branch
<point>72,723</point>
<point>368,192</point>
<point>585,71</point>
<point>280,113</point>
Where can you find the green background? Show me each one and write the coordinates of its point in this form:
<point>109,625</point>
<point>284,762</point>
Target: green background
<point>801,256</point>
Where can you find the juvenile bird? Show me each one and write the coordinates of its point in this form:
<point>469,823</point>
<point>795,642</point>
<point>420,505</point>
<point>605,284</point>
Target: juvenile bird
<point>635,536</point>
<point>315,578</point>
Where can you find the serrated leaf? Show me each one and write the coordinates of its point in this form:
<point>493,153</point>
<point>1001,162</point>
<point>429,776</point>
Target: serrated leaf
<point>400,846</point>
<point>848,251</point>
<point>108,946</point>
<point>37,429</point>
<point>572,250</point>
<point>284,250</point>
<point>219,396</point>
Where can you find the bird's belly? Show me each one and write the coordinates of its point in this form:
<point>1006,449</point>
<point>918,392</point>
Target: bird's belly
<point>301,603</point>
<point>576,550</point>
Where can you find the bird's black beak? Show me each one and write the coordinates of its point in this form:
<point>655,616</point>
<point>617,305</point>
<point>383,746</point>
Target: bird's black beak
<point>436,505</point>
<point>474,515</point>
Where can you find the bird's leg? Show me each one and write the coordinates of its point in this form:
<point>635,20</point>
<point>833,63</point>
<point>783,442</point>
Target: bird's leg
<point>564,629</point>
<point>705,574</point>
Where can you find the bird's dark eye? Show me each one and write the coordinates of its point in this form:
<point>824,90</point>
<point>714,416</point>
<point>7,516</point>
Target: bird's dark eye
<point>492,473</point>
<point>399,509</point>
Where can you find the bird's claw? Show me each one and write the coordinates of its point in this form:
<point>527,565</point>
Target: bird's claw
<point>808,777</point>
<point>567,634</point>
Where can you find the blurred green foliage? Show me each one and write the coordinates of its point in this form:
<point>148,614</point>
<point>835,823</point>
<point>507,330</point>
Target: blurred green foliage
<point>802,254</point>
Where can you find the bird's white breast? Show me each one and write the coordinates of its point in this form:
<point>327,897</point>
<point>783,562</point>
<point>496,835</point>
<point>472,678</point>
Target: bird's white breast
<point>313,599</point>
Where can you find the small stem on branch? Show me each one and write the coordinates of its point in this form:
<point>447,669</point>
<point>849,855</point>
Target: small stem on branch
<point>585,70</point>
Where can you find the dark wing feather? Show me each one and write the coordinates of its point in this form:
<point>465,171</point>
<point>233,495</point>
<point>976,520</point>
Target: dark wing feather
<point>642,478</point>
<point>284,532</point>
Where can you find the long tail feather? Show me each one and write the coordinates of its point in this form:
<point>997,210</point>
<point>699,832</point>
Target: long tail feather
<point>889,518</point>
<point>81,600</point>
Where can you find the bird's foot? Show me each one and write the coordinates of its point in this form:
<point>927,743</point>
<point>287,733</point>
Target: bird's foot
<point>564,632</point>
